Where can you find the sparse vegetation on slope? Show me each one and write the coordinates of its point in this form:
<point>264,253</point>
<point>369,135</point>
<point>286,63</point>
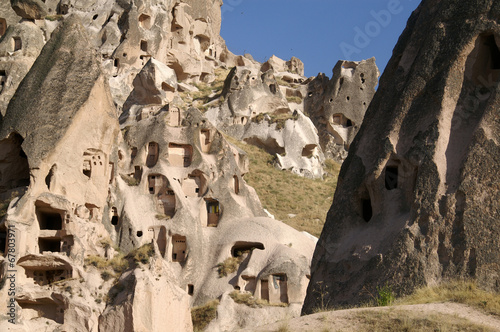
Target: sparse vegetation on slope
<point>285,194</point>
<point>403,320</point>
<point>203,315</point>
<point>207,91</point>
<point>465,292</point>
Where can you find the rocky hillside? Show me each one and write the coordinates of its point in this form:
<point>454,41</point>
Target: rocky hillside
<point>419,190</point>
<point>123,203</point>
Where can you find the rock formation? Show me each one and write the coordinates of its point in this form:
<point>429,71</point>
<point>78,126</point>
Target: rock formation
<point>418,195</point>
<point>124,201</point>
<point>337,106</point>
<point>255,109</point>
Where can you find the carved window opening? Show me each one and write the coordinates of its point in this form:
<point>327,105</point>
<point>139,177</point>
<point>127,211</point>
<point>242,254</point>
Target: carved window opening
<point>49,218</point>
<point>236,184</point>
<point>241,247</point>
<point>50,176</point>
<point>250,284</point>
<point>93,163</point>
<point>272,88</point>
<point>308,150</point>
<point>190,289</point>
<point>43,308</point>
<point>178,248</point>
<point>3,79</point>
<point>3,26</point>
<point>367,211</point>
<point>114,219</point>
<point>279,292</point>
<point>145,21</point>
<point>153,151</point>
<point>144,46</point>
<point>391,177</point>
<point>264,290</point>
<point>17,44</point>
<point>213,212</point>
<point>49,244</point>
<point>138,173</point>
<point>167,203</point>
<point>45,276</point>
<point>174,117</point>
<point>14,169</point>
<point>161,240</point>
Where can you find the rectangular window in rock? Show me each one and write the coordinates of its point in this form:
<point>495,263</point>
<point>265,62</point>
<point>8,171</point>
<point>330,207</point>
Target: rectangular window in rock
<point>213,212</point>
<point>178,248</point>
<point>264,289</point>
<point>145,21</point>
<point>366,205</point>
<point>49,218</point>
<point>16,43</point>
<point>279,291</point>
<point>3,26</point>
<point>49,244</point>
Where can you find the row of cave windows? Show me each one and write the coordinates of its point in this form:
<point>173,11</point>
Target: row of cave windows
<point>214,212</point>
<point>179,155</point>
<point>279,282</point>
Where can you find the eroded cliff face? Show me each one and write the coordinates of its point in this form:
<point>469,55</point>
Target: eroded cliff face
<point>418,196</point>
<point>121,198</point>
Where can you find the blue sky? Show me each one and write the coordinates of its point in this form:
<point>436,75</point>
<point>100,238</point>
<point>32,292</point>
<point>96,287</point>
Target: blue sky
<point>319,32</point>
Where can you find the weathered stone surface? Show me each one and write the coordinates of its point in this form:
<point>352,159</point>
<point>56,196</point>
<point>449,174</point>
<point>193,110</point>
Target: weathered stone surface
<point>149,302</point>
<point>255,110</point>
<point>337,106</point>
<point>418,196</point>
<point>60,81</point>
<point>29,9</point>
<point>19,48</point>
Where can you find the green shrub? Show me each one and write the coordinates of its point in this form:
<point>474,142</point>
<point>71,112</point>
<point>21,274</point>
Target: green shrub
<point>385,296</point>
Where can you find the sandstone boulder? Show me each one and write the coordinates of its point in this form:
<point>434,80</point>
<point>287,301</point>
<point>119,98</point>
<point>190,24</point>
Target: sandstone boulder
<point>29,9</point>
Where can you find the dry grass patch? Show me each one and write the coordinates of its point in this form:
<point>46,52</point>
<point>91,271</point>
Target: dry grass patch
<point>229,266</point>
<point>142,254</point>
<point>206,91</point>
<point>283,193</point>
<point>203,315</point>
<point>465,292</point>
<point>110,268</point>
<point>294,99</point>
<point>402,320</point>
<point>249,300</point>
